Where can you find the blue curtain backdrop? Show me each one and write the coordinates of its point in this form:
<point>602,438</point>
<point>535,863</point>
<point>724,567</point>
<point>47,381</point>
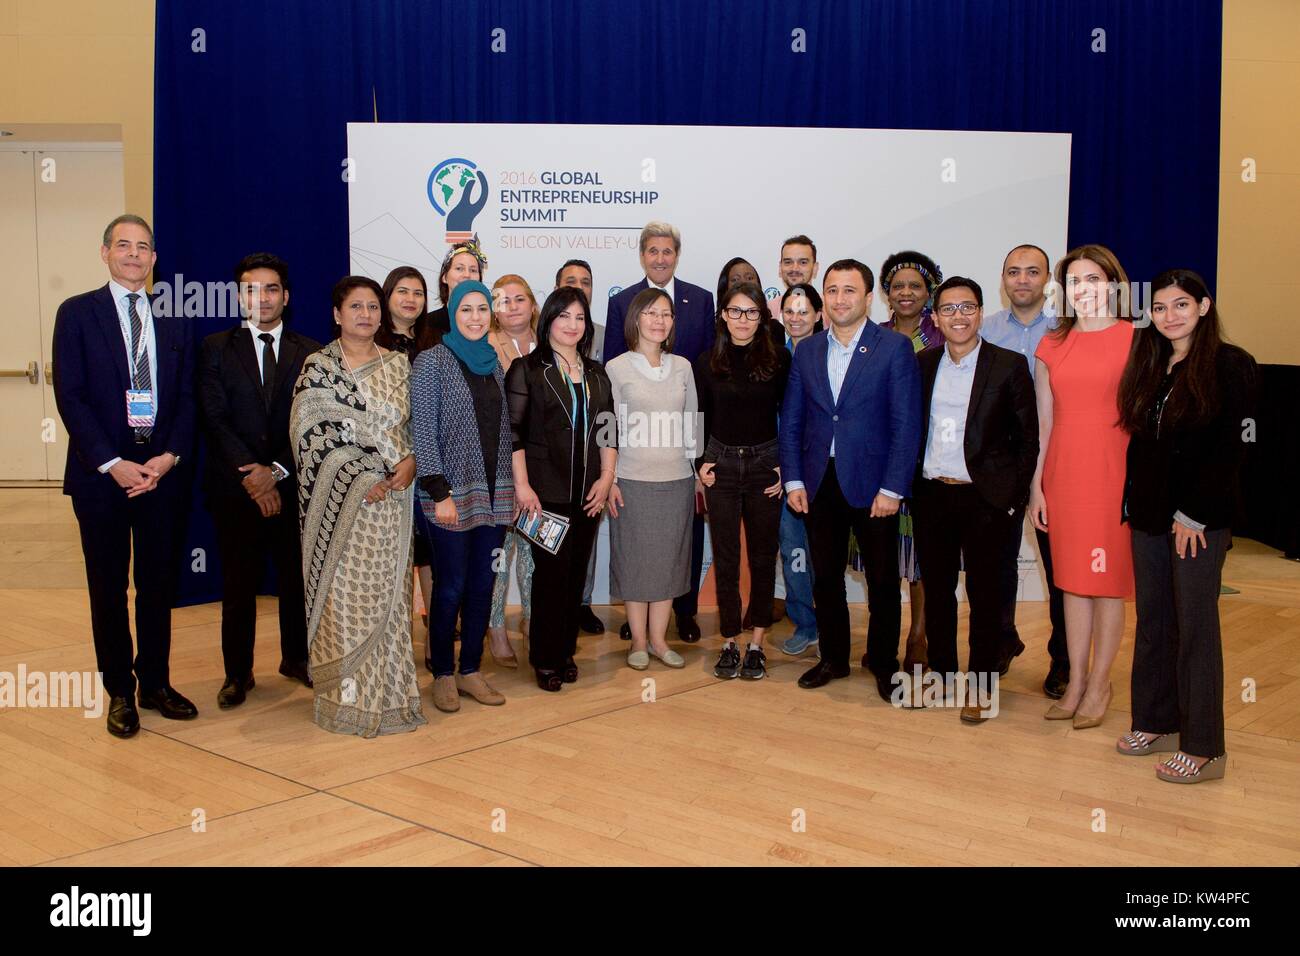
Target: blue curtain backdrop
<point>250,133</point>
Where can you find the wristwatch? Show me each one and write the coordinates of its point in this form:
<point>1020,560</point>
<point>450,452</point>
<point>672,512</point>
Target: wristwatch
<point>278,472</point>
<point>177,457</point>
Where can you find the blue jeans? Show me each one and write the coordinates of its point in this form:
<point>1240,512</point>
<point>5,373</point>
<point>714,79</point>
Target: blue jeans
<point>465,577</point>
<point>798,584</point>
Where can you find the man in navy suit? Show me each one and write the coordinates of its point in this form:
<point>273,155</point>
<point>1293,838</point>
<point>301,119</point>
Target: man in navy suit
<point>124,391</point>
<point>694,328</point>
<point>850,432</point>
<point>246,377</point>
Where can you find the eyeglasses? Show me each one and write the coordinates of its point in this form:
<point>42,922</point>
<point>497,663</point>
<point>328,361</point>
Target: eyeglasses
<point>735,312</point>
<point>664,314</point>
<point>965,308</point>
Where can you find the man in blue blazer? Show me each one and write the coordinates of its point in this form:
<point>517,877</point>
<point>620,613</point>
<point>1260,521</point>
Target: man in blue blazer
<point>850,433</point>
<point>694,328</point>
<point>123,384</point>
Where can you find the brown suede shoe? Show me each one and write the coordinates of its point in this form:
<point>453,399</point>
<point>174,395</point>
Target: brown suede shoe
<point>475,685</point>
<point>445,697</point>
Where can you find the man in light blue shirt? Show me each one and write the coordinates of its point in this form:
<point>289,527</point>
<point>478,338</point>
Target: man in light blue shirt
<point>1025,274</point>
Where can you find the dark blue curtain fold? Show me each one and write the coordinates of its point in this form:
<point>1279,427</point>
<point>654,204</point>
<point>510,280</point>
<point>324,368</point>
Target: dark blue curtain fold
<point>250,134</point>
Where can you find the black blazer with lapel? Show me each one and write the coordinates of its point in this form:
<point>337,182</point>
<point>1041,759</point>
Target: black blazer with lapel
<point>541,423</point>
<point>240,428</point>
<point>1001,440</point>
<point>91,377</point>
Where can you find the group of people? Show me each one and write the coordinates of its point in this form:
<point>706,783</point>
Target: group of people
<point>913,448</point>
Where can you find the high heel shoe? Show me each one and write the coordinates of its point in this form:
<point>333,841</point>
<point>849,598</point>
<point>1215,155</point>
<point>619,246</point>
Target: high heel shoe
<point>1084,721</point>
<point>918,652</point>
<point>1057,712</point>
<point>507,660</point>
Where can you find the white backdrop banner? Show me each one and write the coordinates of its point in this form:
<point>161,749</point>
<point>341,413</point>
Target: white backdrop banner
<point>536,195</point>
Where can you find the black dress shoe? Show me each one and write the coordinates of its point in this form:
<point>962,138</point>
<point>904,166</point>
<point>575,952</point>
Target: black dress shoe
<point>296,670</point>
<point>233,691</point>
<point>569,672</point>
<point>548,680</point>
<point>123,718</point>
<point>1058,678</point>
<point>170,704</point>
<point>625,632</point>
<point>588,621</point>
<point>1012,653</point>
<point>885,686</point>
<point>687,629</point>
<point>820,674</point>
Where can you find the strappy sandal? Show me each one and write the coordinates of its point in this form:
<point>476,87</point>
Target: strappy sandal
<point>1138,744</point>
<point>549,680</point>
<point>1185,769</point>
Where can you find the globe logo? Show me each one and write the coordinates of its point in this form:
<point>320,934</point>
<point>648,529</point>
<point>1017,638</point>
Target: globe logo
<point>448,180</point>
<point>772,292</point>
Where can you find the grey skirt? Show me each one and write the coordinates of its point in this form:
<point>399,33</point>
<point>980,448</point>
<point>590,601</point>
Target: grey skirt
<point>650,540</point>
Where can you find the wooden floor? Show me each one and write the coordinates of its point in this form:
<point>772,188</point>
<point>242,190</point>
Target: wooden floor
<point>706,773</point>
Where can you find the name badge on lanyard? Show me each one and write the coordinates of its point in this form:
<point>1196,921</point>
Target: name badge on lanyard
<point>139,407</point>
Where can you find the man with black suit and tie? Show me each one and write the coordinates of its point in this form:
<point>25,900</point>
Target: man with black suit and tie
<point>246,378</point>
<point>850,428</point>
<point>974,471</point>
<point>123,388</point>
<point>694,328</point>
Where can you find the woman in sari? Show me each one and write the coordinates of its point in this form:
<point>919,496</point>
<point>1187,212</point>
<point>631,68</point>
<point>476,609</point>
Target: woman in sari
<point>351,425</point>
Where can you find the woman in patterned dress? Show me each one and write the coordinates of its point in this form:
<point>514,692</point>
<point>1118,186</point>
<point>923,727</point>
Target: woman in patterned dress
<point>351,426</point>
<point>908,280</point>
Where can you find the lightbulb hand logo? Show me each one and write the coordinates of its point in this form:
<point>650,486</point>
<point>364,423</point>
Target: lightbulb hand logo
<point>451,193</point>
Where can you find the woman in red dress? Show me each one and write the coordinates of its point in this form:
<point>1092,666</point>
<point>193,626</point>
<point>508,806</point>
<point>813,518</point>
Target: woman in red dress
<point>1078,489</point>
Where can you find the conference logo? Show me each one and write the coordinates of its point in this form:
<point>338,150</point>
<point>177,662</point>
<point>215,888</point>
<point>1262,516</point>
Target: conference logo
<point>452,194</point>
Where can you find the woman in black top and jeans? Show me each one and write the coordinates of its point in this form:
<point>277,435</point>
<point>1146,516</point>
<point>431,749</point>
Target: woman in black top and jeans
<point>565,448</point>
<point>740,383</point>
<point>1186,398</point>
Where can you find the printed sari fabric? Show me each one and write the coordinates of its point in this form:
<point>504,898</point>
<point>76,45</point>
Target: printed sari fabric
<point>350,429</point>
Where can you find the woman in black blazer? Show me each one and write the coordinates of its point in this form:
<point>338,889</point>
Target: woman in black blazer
<point>565,447</point>
<point>1187,400</point>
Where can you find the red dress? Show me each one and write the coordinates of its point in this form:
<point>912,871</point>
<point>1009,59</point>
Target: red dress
<point>1083,474</point>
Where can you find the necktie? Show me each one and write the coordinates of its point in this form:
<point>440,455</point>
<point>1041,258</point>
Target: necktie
<point>140,377</point>
<point>268,367</point>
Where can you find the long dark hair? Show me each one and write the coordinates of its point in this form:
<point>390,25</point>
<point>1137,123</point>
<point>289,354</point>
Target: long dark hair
<point>555,303</point>
<point>763,360</point>
<point>1195,397</point>
<point>386,336</point>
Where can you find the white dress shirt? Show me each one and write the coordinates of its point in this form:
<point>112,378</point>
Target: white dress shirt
<point>945,442</point>
<point>670,288</point>
<point>119,294</point>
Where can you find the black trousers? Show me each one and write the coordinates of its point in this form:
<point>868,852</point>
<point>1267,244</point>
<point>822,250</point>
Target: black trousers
<point>112,527</point>
<point>688,604</point>
<point>246,540</point>
<point>740,475</point>
<point>950,521</point>
<point>558,582</point>
<point>1056,646</point>
<point>1178,650</point>
<point>830,518</point>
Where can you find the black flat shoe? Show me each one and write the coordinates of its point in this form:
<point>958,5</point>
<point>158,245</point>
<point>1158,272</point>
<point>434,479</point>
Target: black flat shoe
<point>549,680</point>
<point>625,632</point>
<point>1058,679</point>
<point>569,672</point>
<point>234,691</point>
<point>297,670</point>
<point>123,718</point>
<point>687,629</point>
<point>588,621</point>
<point>168,703</point>
<point>820,674</point>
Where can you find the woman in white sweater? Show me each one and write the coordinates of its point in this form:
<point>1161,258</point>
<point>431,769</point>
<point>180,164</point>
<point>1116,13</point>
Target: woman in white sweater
<point>652,503</point>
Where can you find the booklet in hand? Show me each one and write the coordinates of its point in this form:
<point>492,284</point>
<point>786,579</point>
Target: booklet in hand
<point>546,528</point>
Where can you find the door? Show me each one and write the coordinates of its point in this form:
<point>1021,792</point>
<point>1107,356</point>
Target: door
<point>23,418</point>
